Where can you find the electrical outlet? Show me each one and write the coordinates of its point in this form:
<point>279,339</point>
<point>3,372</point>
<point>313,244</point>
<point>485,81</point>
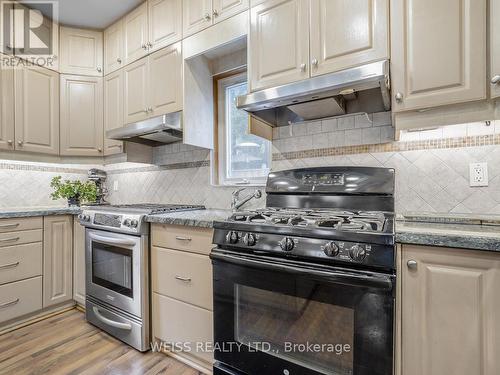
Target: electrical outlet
<point>478,174</point>
<point>115,185</point>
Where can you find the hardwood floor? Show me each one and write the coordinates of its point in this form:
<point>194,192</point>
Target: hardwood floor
<point>66,344</point>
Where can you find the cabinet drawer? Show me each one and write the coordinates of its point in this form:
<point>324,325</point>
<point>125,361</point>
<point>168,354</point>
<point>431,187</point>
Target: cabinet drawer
<point>179,322</point>
<point>18,238</point>
<point>17,224</point>
<point>179,237</point>
<point>184,276</point>
<point>20,262</point>
<point>20,298</point>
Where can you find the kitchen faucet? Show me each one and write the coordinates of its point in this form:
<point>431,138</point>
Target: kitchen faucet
<point>236,203</point>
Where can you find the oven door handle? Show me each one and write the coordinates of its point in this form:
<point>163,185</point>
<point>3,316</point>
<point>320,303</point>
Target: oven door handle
<point>109,322</point>
<point>355,278</point>
<point>111,240</point>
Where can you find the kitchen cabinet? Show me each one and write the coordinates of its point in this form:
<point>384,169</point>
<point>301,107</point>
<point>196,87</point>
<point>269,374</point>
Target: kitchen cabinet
<point>196,16</point>
<point>57,259</point>
<point>450,305</point>
<point>36,110</point>
<point>78,263</point>
<point>113,47</point>
<point>348,33</point>
<point>81,52</point>
<point>135,31</point>
<point>7,108</point>
<point>153,85</point>
<point>495,48</point>
<point>113,110</point>
<point>20,298</point>
<point>165,22</point>
<point>81,116</point>
<point>278,43</point>
<point>438,53</point>
<point>223,9</point>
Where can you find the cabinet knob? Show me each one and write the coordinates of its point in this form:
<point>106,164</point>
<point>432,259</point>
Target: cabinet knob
<point>412,264</point>
<point>150,45</point>
<point>207,17</point>
<point>99,69</point>
<point>495,80</point>
<point>20,143</point>
<point>119,60</point>
<point>144,46</point>
<point>99,149</point>
<point>146,110</point>
<point>150,109</point>
<point>215,13</point>
<point>399,97</point>
<point>315,62</point>
<point>54,57</point>
<point>10,142</point>
<point>303,67</point>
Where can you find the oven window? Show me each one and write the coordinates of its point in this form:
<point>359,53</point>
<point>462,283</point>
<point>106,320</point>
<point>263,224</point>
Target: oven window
<point>112,268</point>
<point>308,332</point>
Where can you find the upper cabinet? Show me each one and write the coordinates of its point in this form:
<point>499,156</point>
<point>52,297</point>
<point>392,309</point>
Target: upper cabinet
<point>113,110</point>
<point>136,92</point>
<point>279,43</point>
<point>165,22</point>
<point>6,108</point>
<point>81,116</point>
<point>135,30</point>
<point>347,33</point>
<point>36,110</point>
<point>495,48</point>
<point>113,47</point>
<point>223,9</point>
<point>291,40</point>
<point>438,52</point>
<point>81,52</point>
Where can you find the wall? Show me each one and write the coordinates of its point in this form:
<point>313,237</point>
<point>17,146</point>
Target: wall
<point>432,167</point>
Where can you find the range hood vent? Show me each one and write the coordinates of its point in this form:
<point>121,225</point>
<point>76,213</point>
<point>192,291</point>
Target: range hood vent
<point>361,89</point>
<point>155,131</point>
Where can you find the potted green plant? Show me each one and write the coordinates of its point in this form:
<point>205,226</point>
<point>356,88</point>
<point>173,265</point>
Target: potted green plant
<point>75,191</point>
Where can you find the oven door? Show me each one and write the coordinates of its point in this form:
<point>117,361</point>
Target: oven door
<point>286,317</point>
<point>116,270</point>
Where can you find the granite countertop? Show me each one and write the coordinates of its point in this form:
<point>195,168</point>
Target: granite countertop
<point>7,213</point>
<point>195,218</point>
<point>456,231</point>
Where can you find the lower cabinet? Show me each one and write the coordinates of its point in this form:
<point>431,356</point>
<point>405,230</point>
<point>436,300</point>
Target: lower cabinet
<point>450,304</point>
<point>79,263</point>
<point>57,260</point>
<point>20,298</point>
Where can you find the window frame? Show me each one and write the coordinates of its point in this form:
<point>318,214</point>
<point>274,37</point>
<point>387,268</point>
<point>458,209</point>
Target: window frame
<point>221,160</point>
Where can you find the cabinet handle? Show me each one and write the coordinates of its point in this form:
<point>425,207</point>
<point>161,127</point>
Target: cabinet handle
<point>207,17</point>
<point>7,266</point>
<point>144,46</point>
<point>99,149</point>
<point>215,13</point>
<point>150,45</point>
<point>146,110</point>
<point>119,60</point>
<point>20,143</point>
<point>54,57</point>
<point>150,109</point>
<point>315,62</point>
<point>13,239</point>
<point>495,80</point>
<point>183,238</point>
<point>185,279</point>
<point>10,142</point>
<point>303,67</point>
<point>99,69</point>
<point>399,97</point>
<point>7,304</point>
<point>412,264</point>
<point>3,226</point>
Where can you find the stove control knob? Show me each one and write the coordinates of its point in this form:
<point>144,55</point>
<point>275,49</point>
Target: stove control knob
<point>134,223</point>
<point>357,253</point>
<point>249,239</point>
<point>287,244</point>
<point>331,249</point>
<point>80,217</point>
<point>232,237</point>
<point>86,217</point>
<point>127,222</point>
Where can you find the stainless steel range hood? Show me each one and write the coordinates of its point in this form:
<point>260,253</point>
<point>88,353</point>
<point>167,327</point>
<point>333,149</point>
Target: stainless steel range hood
<point>153,132</point>
<point>361,89</point>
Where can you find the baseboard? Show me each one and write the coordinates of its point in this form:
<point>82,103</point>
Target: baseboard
<point>35,317</point>
<point>203,367</point>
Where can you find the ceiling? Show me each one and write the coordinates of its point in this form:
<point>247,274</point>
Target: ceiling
<point>95,14</point>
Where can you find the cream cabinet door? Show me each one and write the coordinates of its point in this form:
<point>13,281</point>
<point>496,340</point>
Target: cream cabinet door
<point>165,80</point>
<point>196,16</point>
<point>450,304</point>
<point>347,33</point>
<point>113,110</point>
<point>36,110</point>
<point>81,52</point>
<point>113,47</point>
<point>165,22</point>
<point>81,116</point>
<point>279,43</point>
<point>57,260</point>
<point>438,52</point>
<point>136,91</point>
<point>78,263</point>
<point>7,108</point>
<point>224,9</point>
<point>495,47</point>
<point>135,29</point>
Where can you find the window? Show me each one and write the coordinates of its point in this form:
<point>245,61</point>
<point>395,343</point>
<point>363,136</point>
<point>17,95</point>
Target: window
<point>243,159</point>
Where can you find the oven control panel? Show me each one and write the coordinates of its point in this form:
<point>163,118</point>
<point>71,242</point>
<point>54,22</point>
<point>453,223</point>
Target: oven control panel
<point>325,250</point>
<point>132,224</point>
